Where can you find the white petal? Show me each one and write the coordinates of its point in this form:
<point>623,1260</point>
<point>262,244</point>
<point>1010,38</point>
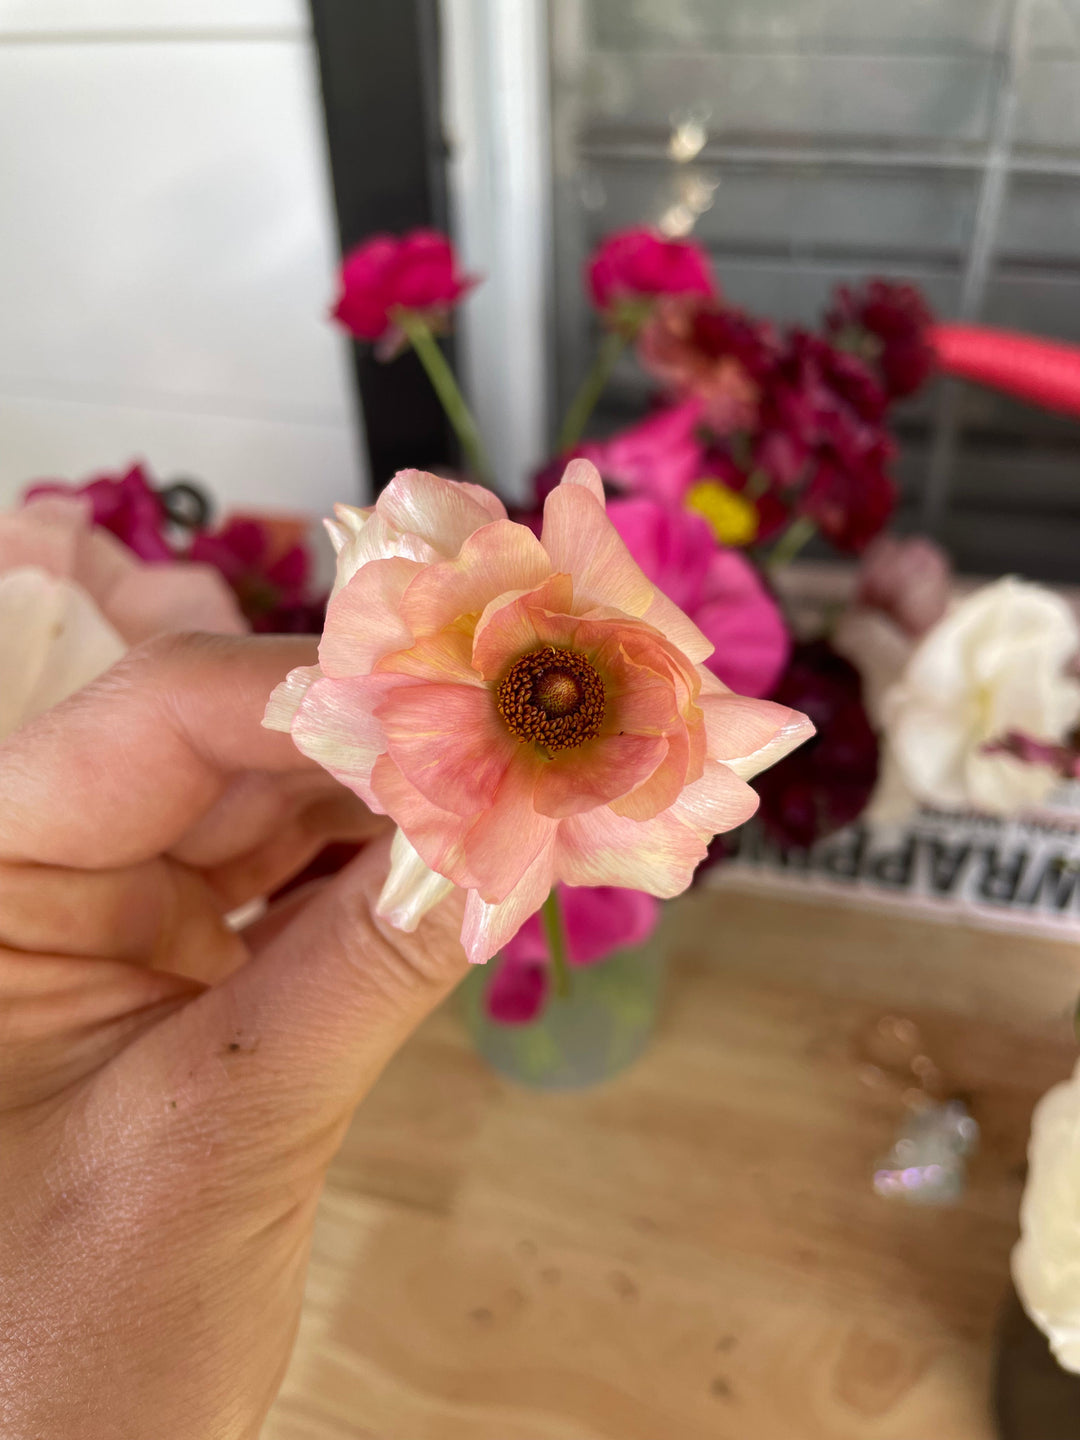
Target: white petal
<point>411,889</point>
<point>286,697</point>
<point>53,641</point>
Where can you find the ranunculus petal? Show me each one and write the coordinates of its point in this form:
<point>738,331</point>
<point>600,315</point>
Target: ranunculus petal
<point>601,848</point>
<point>411,889</point>
<point>363,620</point>
<point>583,543</point>
<point>717,802</point>
<point>748,735</point>
<point>597,772</point>
<point>53,641</point>
<point>508,627</point>
<point>485,498</point>
<point>584,472</point>
<point>363,536</point>
<point>335,725</point>
<point>443,658</point>
<point>487,928</point>
<point>450,742</point>
<point>442,512</point>
<point>437,834</point>
<point>505,839</point>
<point>285,699</point>
<point>498,558</point>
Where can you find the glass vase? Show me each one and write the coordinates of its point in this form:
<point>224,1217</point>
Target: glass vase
<point>602,1026</point>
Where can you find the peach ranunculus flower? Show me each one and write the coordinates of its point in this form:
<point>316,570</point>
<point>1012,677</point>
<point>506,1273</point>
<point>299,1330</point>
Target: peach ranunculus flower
<point>73,599</point>
<point>527,710</point>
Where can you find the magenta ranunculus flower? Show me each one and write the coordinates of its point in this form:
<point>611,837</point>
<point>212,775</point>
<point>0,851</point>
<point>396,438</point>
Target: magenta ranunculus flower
<point>718,588</point>
<point>528,710</point>
<point>598,921</point>
<point>418,271</point>
<point>126,505</point>
<point>640,264</point>
<point>661,456</point>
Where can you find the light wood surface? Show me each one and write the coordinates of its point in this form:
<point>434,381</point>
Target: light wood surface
<point>692,1252</point>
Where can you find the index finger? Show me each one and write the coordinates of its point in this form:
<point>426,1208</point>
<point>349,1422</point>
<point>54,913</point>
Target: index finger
<point>121,770</point>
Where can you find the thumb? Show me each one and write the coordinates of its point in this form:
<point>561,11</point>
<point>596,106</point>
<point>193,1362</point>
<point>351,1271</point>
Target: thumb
<point>319,1012</point>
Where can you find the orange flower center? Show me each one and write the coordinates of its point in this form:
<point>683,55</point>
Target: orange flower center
<point>553,698</point>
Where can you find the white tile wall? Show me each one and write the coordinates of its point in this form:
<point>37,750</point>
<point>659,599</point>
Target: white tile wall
<point>168,250</point>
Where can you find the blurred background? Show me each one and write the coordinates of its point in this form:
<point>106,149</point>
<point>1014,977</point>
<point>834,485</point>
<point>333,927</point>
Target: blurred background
<point>176,183</point>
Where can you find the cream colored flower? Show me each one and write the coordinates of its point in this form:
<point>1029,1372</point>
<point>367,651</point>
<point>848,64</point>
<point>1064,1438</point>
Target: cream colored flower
<point>73,599</point>
<point>1046,1260</point>
<point>997,662</point>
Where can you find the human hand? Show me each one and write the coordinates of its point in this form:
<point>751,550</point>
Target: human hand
<point>171,1092</point>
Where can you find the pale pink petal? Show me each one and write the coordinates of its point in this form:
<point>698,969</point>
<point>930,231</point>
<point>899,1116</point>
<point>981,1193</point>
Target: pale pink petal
<point>445,658</point>
<point>485,498</point>
<point>411,889</point>
<point>601,848</point>
<point>450,742</point>
<point>584,472</point>
<point>44,534</point>
<point>363,620</point>
<point>750,735</point>
<point>505,840</point>
<point>678,628</point>
<point>596,773</point>
<point>437,835</point>
<point>582,542</point>
<point>508,627</point>
<point>499,558</point>
<point>487,928</point>
<point>444,513</point>
<point>285,698</point>
<point>368,537</point>
<point>665,784</point>
<point>335,726</point>
<point>716,803</point>
<point>160,599</point>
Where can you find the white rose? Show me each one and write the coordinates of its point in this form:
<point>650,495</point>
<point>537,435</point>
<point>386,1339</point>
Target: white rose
<point>996,662</point>
<point>1046,1260</point>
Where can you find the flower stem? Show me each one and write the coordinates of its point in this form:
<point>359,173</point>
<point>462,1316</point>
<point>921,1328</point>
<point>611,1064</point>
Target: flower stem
<point>801,530</point>
<point>446,388</point>
<point>591,388</point>
<point>555,933</point>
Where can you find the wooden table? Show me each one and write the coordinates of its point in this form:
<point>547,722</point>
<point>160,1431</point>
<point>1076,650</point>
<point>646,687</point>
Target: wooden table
<point>692,1252</point>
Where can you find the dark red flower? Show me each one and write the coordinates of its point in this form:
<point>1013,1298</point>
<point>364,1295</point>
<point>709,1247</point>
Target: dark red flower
<point>417,271</point>
<point>827,782</point>
<point>126,505</point>
<point>639,264</point>
<point>889,324</point>
<point>269,570</point>
<point>701,349</point>
<point>849,497</point>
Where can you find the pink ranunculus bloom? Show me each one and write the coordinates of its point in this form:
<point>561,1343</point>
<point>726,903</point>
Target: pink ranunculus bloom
<point>598,921</point>
<point>418,271</point>
<point>718,588</point>
<point>907,578</point>
<point>661,456</point>
<point>73,599</point>
<point>640,264</point>
<point>528,710</point>
<point>126,505</point>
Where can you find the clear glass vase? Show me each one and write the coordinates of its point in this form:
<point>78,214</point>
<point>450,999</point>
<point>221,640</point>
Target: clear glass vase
<point>601,1027</point>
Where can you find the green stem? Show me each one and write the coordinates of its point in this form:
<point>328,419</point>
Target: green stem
<point>801,530</point>
<point>446,388</point>
<point>756,484</point>
<point>555,933</point>
<point>592,387</point>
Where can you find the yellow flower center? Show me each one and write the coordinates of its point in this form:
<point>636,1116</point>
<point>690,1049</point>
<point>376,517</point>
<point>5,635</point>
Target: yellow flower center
<point>553,698</point>
<point>732,518</point>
